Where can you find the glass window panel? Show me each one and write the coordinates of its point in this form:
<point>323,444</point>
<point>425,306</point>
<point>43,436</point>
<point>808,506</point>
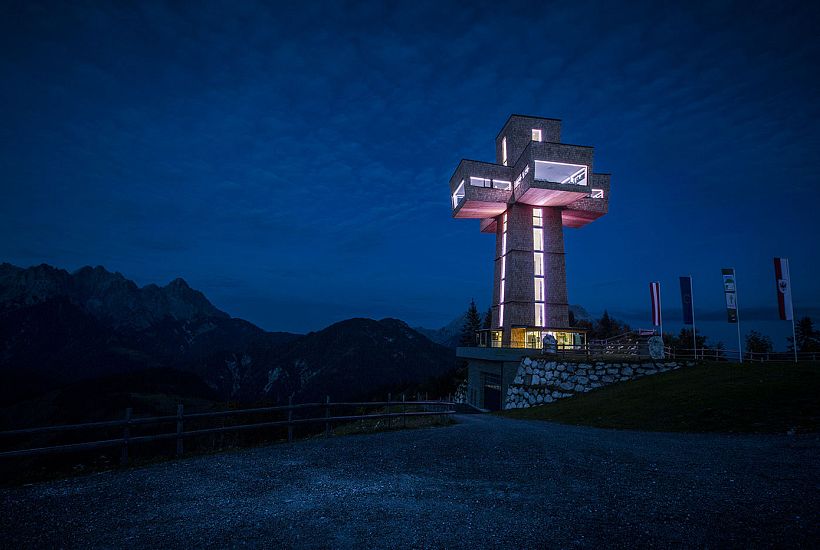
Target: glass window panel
<point>538,259</point>
<point>539,289</point>
<point>538,239</point>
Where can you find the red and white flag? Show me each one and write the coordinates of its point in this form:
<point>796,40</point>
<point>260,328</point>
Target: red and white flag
<point>784,288</point>
<point>655,291</point>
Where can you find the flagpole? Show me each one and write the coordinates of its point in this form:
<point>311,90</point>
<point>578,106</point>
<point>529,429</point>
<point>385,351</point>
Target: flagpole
<point>737,312</point>
<point>660,310</point>
<point>692,294</point>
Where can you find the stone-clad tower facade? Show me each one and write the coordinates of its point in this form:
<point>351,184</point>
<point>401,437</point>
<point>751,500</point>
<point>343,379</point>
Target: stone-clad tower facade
<point>536,187</point>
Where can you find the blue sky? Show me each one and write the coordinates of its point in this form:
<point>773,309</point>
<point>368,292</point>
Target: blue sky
<point>291,161</point>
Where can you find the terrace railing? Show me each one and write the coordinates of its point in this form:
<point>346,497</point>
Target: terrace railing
<point>389,410</point>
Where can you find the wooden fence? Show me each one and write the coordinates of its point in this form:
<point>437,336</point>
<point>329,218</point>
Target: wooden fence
<point>179,434</point>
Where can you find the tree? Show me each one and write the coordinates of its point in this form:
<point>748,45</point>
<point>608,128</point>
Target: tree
<point>488,318</point>
<point>808,339</point>
<point>472,324</point>
<point>758,343</point>
<point>682,343</point>
<point>606,326</point>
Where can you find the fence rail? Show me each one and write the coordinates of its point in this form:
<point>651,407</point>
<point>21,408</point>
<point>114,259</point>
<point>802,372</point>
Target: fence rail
<point>428,408</point>
<point>732,355</point>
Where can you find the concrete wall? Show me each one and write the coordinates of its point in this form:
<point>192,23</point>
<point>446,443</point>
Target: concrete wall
<point>519,292</point>
<point>518,131</point>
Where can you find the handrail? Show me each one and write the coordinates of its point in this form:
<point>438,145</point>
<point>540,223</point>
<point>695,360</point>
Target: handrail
<point>180,433</point>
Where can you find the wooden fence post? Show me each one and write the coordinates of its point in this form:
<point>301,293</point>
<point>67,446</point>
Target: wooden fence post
<point>389,418</point>
<point>290,419</point>
<point>327,416</point>
<point>179,429</point>
<point>126,434</point>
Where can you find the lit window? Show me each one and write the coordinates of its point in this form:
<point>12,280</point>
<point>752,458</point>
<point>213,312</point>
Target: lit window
<point>501,184</point>
<point>538,239</point>
<point>504,151</point>
<point>539,289</point>
<point>536,134</point>
<point>480,182</point>
<point>503,269</point>
<point>537,217</point>
<point>539,315</point>
<point>458,195</point>
<point>559,172</point>
<point>597,194</point>
<point>538,258</point>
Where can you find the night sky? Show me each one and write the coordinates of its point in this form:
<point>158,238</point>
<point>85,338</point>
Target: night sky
<point>292,162</point>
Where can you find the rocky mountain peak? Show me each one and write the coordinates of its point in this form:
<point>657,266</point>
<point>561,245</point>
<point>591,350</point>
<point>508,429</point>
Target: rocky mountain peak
<point>106,295</point>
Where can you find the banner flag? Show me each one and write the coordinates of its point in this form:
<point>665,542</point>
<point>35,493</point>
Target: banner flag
<point>784,289</point>
<point>655,292</point>
<point>686,300</point>
<point>730,291</point>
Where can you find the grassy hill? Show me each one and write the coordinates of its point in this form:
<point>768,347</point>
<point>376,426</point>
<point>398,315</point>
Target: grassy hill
<point>712,397</point>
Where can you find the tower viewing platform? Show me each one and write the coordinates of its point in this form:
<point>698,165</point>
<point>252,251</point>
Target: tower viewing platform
<point>536,187</point>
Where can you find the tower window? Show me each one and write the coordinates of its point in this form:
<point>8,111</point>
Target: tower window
<point>597,194</point>
<point>504,151</point>
<point>536,134</point>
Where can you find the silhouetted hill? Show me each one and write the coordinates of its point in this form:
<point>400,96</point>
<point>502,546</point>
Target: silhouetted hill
<point>448,335</point>
<point>352,359</point>
<point>63,331</point>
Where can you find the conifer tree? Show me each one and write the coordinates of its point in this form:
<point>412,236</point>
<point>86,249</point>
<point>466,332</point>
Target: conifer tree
<point>472,323</point>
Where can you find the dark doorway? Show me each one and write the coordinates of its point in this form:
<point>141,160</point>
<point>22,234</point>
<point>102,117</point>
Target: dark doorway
<point>492,398</point>
<point>492,391</point>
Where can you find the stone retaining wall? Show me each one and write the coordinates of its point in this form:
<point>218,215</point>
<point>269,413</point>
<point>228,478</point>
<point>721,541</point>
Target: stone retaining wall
<point>540,381</point>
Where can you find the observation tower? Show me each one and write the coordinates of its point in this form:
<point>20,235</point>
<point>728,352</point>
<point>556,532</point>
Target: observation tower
<point>536,187</point>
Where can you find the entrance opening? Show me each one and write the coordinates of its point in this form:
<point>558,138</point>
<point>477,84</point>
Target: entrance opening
<point>492,391</point>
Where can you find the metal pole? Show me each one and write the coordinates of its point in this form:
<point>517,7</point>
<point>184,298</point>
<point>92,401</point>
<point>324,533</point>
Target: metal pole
<point>794,338</point>
<point>737,312</point>
<point>403,411</point>
<point>660,311</point>
<point>327,416</point>
<point>179,429</point>
<point>290,419</point>
<point>694,332</point>
<point>389,419</point>
<point>126,434</point>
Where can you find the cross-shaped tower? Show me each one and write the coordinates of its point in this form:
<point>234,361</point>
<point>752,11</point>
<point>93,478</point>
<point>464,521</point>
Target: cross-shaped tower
<point>537,186</point>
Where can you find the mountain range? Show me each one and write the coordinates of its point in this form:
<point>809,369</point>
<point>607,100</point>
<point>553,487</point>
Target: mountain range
<point>61,329</point>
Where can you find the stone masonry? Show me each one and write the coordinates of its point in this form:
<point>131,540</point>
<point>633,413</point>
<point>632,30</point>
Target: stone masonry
<point>540,381</point>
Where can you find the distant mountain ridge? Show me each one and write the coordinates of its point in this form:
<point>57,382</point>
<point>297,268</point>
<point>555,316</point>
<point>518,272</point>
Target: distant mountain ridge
<point>58,328</point>
<point>448,335</point>
<point>108,296</point>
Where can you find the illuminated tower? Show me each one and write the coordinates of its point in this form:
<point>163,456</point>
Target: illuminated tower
<point>536,187</point>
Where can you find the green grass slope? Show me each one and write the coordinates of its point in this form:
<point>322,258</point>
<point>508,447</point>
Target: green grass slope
<point>712,397</point>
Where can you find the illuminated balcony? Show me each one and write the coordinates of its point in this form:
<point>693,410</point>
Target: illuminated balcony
<point>591,207</point>
<point>480,189</point>
<point>553,174</point>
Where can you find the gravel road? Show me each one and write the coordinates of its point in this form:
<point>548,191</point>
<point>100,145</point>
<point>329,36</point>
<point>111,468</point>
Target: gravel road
<point>484,482</point>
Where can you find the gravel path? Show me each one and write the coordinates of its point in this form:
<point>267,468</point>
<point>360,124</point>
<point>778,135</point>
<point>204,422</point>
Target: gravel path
<point>485,482</point>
